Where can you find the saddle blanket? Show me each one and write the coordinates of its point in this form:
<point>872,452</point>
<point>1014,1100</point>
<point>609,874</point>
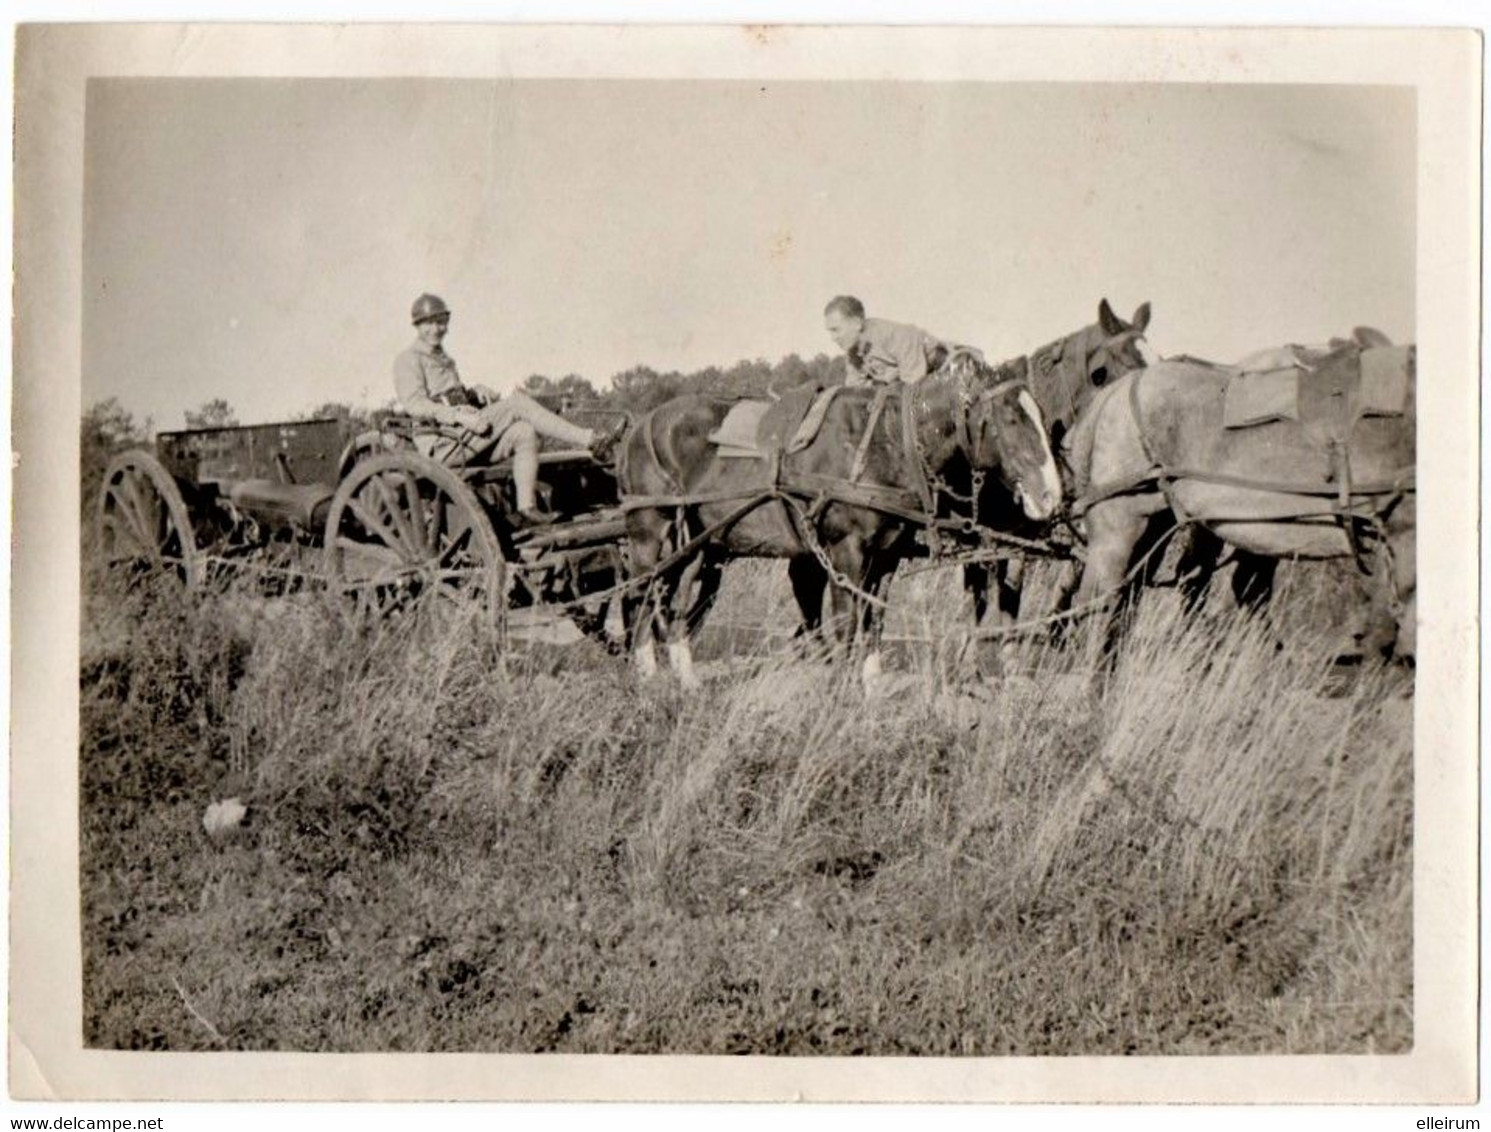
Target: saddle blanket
<point>736,435</point>
<point>743,432</point>
<point>1387,379</point>
<point>1257,397</point>
<point>1373,382</point>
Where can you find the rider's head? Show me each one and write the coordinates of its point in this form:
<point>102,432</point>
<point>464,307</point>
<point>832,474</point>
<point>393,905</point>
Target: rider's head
<point>844,318</point>
<point>431,318</point>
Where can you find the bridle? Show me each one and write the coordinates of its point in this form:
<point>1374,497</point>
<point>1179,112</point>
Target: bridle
<point>1114,350</point>
<point>968,398</point>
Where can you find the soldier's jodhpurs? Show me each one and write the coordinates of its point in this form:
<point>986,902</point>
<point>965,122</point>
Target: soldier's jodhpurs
<point>517,422</point>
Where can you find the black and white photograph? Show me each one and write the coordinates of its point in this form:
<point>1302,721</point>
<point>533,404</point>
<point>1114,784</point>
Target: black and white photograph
<point>808,562</point>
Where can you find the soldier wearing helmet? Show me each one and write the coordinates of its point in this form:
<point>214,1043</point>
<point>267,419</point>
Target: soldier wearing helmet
<point>429,385</point>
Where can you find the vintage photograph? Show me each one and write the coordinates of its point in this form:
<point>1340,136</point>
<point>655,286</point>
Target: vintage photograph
<point>746,565</point>
<point>705,567</point>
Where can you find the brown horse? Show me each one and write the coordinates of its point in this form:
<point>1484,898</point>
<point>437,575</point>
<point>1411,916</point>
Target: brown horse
<point>856,495</point>
<point>1065,376</point>
<point>1334,482</point>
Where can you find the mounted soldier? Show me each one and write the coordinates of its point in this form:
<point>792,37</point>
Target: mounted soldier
<point>429,385</point>
<point>878,351</point>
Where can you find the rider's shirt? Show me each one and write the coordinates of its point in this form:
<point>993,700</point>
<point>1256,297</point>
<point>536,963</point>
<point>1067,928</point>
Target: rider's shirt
<point>892,351</point>
<point>424,376</point>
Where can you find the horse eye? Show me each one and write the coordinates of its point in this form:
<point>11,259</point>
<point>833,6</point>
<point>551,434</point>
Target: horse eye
<point>1100,375</point>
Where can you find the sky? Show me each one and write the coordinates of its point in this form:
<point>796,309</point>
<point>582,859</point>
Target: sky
<point>262,240</point>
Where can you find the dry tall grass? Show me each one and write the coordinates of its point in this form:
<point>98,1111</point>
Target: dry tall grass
<point>452,847</point>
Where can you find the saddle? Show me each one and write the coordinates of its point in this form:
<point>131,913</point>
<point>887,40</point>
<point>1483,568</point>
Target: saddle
<point>1334,387</point>
<point>746,433</point>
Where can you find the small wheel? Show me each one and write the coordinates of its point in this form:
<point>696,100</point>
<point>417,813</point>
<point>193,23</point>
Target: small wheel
<point>143,523</point>
<point>403,530</point>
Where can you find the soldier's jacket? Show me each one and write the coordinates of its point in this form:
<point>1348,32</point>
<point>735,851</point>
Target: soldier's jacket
<point>893,351</point>
<point>424,376</point>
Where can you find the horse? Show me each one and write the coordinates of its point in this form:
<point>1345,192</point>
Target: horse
<point>1065,377</point>
<point>847,507</point>
<point>1331,480</point>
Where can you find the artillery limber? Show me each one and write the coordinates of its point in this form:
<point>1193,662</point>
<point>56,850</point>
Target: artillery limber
<point>387,525</point>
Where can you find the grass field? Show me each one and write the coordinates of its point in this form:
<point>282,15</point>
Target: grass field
<point>449,847</point>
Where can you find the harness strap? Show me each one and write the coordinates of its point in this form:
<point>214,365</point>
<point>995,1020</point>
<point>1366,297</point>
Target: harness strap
<point>916,465</point>
<point>652,452</point>
<point>862,452</point>
<point>1162,473</point>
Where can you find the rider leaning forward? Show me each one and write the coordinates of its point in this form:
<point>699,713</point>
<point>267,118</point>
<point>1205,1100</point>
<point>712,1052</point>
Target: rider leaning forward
<point>878,351</point>
<point>429,386</point>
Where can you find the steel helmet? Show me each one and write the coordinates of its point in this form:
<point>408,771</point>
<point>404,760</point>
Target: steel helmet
<point>428,306</point>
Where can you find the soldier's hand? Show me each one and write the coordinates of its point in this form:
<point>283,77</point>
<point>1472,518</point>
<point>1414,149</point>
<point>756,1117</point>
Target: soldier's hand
<point>468,418</point>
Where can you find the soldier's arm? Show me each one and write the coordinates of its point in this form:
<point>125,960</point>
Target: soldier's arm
<point>485,392</point>
<point>907,345</point>
<point>414,395</point>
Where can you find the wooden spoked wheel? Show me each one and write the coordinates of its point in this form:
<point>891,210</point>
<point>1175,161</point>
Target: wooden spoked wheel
<point>404,531</point>
<point>144,527</point>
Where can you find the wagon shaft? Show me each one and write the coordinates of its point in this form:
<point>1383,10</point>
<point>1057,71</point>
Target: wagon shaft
<point>576,532</point>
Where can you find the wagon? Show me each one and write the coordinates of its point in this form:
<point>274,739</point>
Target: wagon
<point>386,525</point>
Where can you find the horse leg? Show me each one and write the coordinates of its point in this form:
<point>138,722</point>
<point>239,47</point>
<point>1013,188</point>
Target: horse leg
<point>851,620</point>
<point>1199,555</point>
<point>1253,580</point>
<point>1114,530</point>
<point>1395,609</point>
<point>1404,545</point>
<point>711,573</point>
<point>678,624</point>
<point>1145,560</point>
<point>649,615</point>
<point>976,579</point>
<point>1066,595</point>
<point>876,581</point>
<point>808,583</point>
<point>871,572</point>
<point>698,583</point>
<point>976,586</point>
<point>1008,576</point>
<point>638,607</point>
<point>843,610</point>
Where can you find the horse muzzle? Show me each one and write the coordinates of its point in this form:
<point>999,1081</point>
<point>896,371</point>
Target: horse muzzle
<point>1040,504</point>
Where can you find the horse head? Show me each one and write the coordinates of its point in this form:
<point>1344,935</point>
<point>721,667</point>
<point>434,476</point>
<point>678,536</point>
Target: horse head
<point>1121,346</point>
<point>998,427</point>
<point>1067,373</point>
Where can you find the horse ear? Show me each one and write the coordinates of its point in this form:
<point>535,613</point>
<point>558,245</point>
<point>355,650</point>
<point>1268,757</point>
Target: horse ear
<point>1112,325</point>
<point>1141,317</point>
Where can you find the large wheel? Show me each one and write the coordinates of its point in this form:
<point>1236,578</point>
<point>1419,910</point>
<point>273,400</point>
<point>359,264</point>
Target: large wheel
<point>404,530</point>
<point>144,527</point>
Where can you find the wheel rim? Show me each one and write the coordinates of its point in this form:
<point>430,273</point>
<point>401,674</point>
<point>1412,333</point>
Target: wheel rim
<point>143,523</point>
<point>404,532</point>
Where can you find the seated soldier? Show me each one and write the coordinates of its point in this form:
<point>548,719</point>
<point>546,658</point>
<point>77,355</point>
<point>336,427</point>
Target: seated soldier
<point>429,386</point>
<point>879,351</point>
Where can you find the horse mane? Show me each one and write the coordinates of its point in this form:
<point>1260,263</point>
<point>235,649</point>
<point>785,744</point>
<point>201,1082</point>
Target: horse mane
<point>1058,374</point>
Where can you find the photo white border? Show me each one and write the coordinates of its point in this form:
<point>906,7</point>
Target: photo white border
<point>47,1059</point>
